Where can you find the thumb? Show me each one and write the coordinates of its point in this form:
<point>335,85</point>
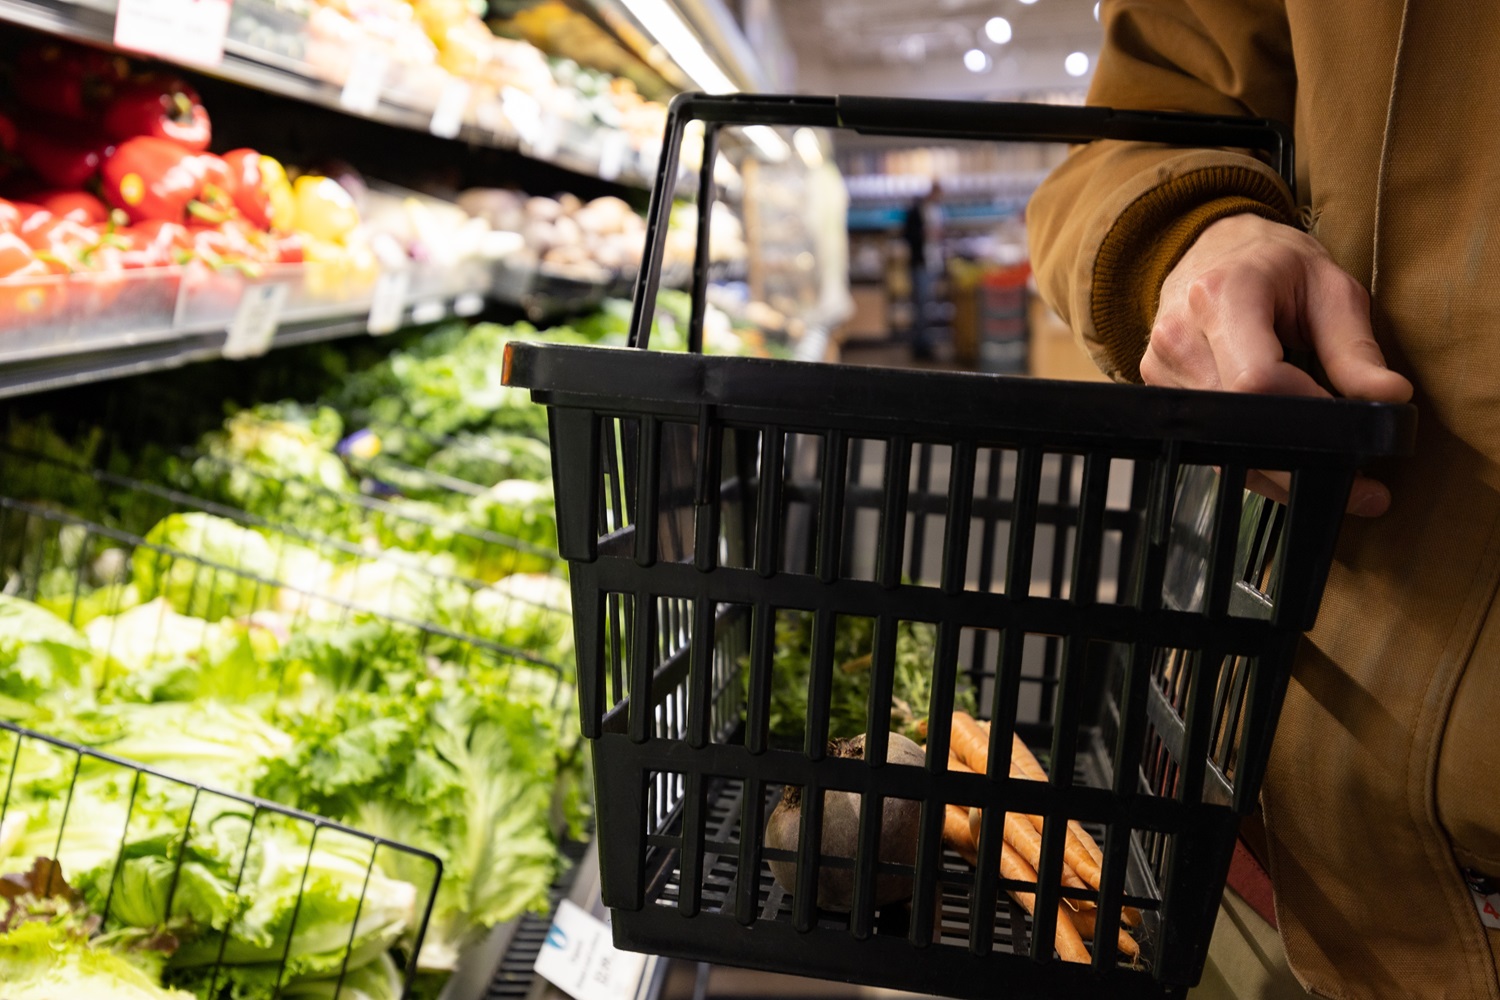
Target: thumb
<point>1337,314</point>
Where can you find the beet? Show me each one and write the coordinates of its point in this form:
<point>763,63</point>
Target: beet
<point>898,831</point>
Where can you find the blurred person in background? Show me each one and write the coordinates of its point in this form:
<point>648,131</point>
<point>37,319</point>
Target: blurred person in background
<point>923,231</point>
<point>1372,868</point>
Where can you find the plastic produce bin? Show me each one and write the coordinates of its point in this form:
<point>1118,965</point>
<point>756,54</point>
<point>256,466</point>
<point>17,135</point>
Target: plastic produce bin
<point>1085,557</point>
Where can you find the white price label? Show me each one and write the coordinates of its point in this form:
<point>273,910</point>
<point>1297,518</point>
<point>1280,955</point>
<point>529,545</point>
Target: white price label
<point>548,138</point>
<point>190,31</point>
<point>448,116</point>
<point>361,93</point>
<point>254,323</point>
<point>389,302</point>
<point>430,311</point>
<point>580,959</point>
<point>468,304</point>
<point>523,112</point>
<point>612,155</point>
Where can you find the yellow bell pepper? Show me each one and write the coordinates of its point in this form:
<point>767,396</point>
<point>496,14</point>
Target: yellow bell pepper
<point>325,211</point>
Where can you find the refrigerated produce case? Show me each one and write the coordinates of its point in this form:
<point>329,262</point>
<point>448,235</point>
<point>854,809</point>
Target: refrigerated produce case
<point>112,491</point>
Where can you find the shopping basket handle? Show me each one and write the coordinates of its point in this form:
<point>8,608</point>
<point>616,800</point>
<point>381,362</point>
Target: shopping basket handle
<point>992,121</point>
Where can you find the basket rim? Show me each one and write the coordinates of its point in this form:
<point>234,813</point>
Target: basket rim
<point>1068,413</point>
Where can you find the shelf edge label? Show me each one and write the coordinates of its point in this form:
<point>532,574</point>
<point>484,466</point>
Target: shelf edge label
<point>367,71</point>
<point>389,303</point>
<point>580,958</point>
<point>255,320</point>
<point>448,116</point>
<point>187,31</point>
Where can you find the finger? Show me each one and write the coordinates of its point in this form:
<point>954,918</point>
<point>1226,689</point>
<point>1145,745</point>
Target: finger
<point>1271,485</point>
<point>1178,356</point>
<point>1367,497</point>
<point>1239,321</point>
<point>1338,328</point>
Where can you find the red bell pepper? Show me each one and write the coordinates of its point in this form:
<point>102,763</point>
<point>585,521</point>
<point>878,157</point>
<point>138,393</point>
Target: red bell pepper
<point>62,162</point>
<point>152,178</point>
<point>261,191</point>
<point>61,243</point>
<point>10,216</point>
<point>289,249</point>
<point>162,107</point>
<point>17,258</point>
<point>217,191</point>
<point>80,206</point>
<point>67,81</point>
<point>156,244</point>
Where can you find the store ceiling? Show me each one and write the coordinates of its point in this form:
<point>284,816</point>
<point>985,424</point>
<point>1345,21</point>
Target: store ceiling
<point>917,47</point>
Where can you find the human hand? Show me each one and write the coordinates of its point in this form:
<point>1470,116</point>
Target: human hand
<point>1248,291</point>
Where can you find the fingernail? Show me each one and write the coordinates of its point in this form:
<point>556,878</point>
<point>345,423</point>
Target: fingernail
<point>1370,505</point>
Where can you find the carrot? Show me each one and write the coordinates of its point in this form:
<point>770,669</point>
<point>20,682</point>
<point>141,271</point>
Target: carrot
<point>1027,842</point>
<point>957,836</point>
<point>1084,921</point>
<point>970,743</point>
<point>1068,941</point>
<point>1081,852</point>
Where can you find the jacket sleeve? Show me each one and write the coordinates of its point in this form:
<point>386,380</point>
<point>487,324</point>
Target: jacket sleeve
<point>1112,220</point>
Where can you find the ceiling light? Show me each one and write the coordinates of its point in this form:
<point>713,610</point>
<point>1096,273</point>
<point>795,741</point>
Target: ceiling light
<point>976,61</point>
<point>768,142</point>
<point>1076,64</point>
<point>808,147</point>
<point>681,45</point>
<point>998,28</point>
<point>683,48</point>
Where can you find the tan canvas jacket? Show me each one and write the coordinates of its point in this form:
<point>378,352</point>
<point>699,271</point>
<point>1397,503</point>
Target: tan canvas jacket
<point>1385,775</point>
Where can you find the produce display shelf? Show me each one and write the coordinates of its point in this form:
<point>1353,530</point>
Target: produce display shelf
<point>145,353</point>
<point>93,23</point>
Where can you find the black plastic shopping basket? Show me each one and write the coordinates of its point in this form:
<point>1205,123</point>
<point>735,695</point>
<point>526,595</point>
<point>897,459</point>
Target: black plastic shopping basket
<point>1084,559</point>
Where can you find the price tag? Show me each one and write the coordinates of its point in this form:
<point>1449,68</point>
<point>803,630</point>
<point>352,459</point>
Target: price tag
<point>190,31</point>
<point>548,138</point>
<point>254,323</point>
<point>468,304</point>
<point>524,114</point>
<point>612,155</point>
<point>430,311</point>
<point>448,116</point>
<point>361,93</point>
<point>580,959</point>
<point>389,303</point>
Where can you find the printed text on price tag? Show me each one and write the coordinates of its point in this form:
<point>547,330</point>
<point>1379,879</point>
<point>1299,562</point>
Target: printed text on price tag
<point>189,31</point>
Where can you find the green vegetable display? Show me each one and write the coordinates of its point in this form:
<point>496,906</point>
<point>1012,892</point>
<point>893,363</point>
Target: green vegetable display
<point>225,653</point>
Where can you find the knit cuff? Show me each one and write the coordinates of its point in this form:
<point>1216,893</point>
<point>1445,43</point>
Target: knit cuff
<point>1150,237</point>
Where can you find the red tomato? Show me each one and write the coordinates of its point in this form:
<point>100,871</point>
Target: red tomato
<point>80,206</point>
<point>10,217</point>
